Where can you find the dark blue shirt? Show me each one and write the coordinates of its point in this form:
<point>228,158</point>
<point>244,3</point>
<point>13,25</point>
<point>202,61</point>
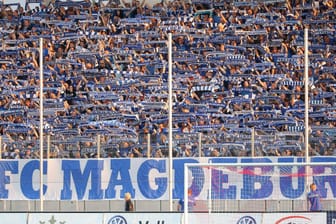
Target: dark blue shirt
<point>314,200</point>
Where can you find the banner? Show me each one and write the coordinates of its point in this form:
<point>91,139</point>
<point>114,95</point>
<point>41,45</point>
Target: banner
<point>227,218</point>
<point>164,218</point>
<point>66,218</point>
<point>147,179</point>
<point>331,217</point>
<point>104,218</point>
<point>142,218</point>
<point>10,218</point>
<point>258,218</point>
<point>304,218</point>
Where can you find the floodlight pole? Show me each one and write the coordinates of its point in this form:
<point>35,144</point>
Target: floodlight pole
<point>41,124</point>
<point>170,123</point>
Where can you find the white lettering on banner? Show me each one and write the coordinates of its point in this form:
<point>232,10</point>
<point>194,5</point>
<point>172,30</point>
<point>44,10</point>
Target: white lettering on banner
<point>148,179</point>
<point>333,221</point>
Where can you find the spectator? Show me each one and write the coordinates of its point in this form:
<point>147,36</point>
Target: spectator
<point>191,202</point>
<point>314,198</point>
<point>129,207</point>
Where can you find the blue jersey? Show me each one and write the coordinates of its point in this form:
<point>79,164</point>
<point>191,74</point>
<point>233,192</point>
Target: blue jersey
<point>314,200</point>
<point>191,203</point>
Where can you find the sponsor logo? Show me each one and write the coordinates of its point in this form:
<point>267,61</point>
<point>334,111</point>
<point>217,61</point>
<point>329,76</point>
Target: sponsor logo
<point>52,220</point>
<point>246,220</point>
<point>118,219</point>
<point>294,219</point>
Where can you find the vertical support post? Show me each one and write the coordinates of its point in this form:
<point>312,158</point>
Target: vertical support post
<point>252,143</point>
<point>306,80</point>
<point>48,146</point>
<point>200,144</point>
<point>98,146</point>
<point>148,145</point>
<point>185,194</point>
<point>170,121</point>
<point>210,189</point>
<point>41,124</point>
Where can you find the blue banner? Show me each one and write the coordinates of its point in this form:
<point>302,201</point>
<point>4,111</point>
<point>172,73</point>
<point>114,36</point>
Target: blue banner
<point>148,179</point>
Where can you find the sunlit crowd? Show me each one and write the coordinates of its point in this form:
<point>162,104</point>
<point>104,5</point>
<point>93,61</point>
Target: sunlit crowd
<point>238,78</point>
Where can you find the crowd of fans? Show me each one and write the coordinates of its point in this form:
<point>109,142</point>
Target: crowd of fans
<point>237,78</point>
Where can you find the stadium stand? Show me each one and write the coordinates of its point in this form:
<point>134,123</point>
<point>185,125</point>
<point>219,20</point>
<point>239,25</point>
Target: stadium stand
<point>238,69</point>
